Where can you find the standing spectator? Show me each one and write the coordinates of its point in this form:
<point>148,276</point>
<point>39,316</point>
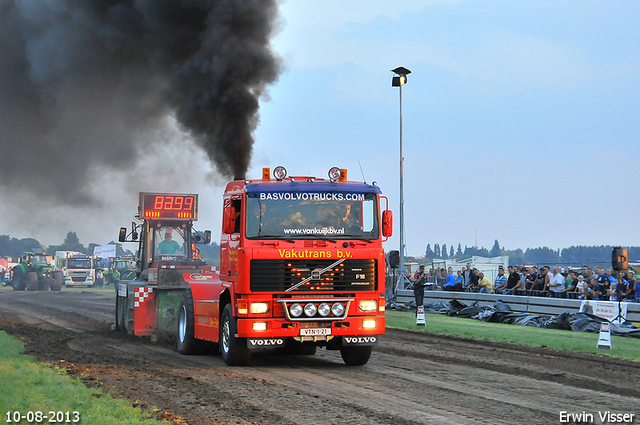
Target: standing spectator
<point>466,274</point>
<point>501,281</point>
<point>475,276</point>
<point>530,280</point>
<point>568,281</point>
<point>581,287</point>
<point>441,277</point>
<point>584,270</point>
<point>99,278</point>
<point>613,282</point>
<point>542,282</point>
<point>637,285</point>
<point>556,283</point>
<point>593,290</point>
<point>630,287</point>
<point>460,280</point>
<point>513,281</point>
<point>603,282</point>
<point>588,276</point>
<point>418,287</point>
<point>484,284</point>
<point>572,278</point>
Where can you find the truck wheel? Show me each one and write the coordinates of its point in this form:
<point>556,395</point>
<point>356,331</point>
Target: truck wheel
<point>56,283</point>
<point>233,353</point>
<point>356,355</point>
<point>32,281</point>
<point>17,281</point>
<point>187,343</point>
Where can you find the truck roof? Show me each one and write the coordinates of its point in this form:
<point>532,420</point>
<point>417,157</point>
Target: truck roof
<point>301,184</point>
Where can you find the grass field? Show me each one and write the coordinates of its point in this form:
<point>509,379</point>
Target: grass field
<point>622,347</point>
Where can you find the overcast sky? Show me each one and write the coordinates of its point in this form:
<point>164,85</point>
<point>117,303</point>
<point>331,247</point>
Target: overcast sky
<point>521,123</point>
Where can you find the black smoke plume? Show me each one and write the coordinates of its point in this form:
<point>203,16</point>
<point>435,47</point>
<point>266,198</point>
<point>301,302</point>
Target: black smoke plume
<point>84,82</point>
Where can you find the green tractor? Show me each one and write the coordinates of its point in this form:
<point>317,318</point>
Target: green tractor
<point>34,273</point>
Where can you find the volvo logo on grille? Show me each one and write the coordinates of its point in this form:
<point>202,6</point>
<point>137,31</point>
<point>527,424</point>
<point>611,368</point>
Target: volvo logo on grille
<point>315,274</point>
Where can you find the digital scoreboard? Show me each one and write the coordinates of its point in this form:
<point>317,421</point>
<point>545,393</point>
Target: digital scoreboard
<point>168,206</point>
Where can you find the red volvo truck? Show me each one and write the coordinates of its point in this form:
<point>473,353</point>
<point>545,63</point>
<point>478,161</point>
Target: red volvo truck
<point>301,266</point>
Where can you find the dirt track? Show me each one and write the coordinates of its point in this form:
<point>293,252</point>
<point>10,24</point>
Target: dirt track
<point>412,378</point>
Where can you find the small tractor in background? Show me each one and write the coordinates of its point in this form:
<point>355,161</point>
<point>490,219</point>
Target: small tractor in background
<point>34,273</point>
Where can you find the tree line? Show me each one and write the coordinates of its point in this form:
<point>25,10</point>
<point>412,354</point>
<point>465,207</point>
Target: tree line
<point>573,256</point>
<point>13,248</point>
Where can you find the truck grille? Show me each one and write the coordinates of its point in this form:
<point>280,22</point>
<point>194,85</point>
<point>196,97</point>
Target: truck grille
<point>280,275</point>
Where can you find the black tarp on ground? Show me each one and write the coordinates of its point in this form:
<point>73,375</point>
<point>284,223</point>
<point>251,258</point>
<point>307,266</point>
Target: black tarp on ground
<point>501,313</point>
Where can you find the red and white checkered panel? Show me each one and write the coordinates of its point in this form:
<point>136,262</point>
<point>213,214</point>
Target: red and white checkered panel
<point>140,295</point>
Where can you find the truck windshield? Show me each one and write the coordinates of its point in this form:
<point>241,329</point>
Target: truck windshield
<point>312,215</point>
<point>169,242</point>
<point>79,263</point>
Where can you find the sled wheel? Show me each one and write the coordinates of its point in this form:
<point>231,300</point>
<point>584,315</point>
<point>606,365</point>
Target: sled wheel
<point>355,355</point>
<point>121,313</point>
<point>32,281</point>
<point>234,350</point>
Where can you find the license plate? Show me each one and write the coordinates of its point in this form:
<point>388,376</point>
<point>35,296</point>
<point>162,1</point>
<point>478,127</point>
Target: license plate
<point>315,331</point>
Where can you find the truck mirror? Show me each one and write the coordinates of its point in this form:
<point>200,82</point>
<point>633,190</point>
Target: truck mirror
<point>207,237</point>
<point>122,236</point>
<point>229,224</point>
<point>387,223</point>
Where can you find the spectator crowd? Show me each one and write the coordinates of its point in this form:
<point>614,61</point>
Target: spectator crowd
<point>585,284</point>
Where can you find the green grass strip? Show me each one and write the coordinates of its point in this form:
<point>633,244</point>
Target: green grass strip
<point>530,336</point>
<point>29,386</point>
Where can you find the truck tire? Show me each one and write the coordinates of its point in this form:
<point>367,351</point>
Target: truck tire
<point>356,355</point>
<point>56,283</point>
<point>17,280</point>
<point>187,343</point>
<point>231,347</point>
<point>32,281</point>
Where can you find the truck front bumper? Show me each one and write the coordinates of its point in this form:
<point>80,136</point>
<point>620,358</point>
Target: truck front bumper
<point>311,331</point>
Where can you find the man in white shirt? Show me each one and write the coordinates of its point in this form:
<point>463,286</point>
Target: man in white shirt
<point>556,283</point>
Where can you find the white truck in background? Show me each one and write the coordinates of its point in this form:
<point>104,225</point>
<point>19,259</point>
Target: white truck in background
<point>77,268</point>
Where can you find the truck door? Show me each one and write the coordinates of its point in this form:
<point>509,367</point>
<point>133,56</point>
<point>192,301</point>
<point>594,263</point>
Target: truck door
<point>230,241</point>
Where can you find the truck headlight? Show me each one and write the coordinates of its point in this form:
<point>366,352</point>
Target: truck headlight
<point>337,309</point>
<point>324,309</point>
<point>367,306</point>
<point>310,309</point>
<point>259,308</point>
<point>295,310</point>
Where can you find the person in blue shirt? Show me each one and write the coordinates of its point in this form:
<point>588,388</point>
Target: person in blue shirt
<point>451,283</point>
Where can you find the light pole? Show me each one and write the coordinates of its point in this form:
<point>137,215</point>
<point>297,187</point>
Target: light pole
<point>398,81</point>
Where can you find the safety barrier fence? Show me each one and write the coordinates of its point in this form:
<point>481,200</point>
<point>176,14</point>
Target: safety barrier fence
<point>517,303</point>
